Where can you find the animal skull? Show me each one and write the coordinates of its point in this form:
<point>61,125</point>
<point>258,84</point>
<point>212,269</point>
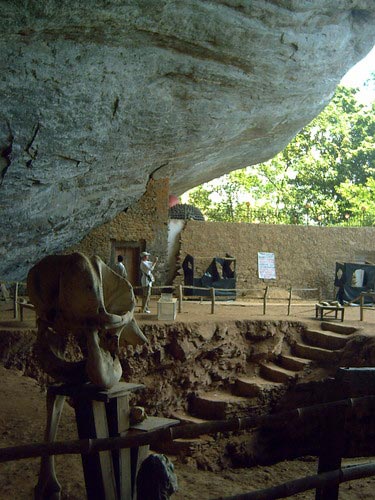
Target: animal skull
<point>83,296</point>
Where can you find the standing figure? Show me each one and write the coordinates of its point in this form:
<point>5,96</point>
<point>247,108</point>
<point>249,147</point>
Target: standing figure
<point>147,279</point>
<point>120,267</point>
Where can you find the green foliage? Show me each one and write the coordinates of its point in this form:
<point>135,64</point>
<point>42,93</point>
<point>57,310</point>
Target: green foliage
<point>360,201</point>
<point>324,176</point>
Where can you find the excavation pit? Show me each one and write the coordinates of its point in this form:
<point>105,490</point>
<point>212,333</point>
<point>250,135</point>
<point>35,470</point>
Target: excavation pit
<point>196,367</point>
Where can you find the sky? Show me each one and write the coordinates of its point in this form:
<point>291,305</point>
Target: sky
<point>357,76</point>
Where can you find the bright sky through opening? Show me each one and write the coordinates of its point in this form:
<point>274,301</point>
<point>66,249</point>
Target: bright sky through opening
<point>357,76</point>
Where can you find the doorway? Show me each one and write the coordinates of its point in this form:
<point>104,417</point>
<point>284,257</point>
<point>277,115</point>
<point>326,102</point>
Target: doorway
<point>131,251</point>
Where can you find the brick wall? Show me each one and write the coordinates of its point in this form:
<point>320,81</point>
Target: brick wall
<point>305,256</point>
<point>145,223</point>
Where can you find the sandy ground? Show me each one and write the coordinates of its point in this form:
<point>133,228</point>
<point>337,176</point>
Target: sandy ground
<point>196,311</point>
<point>22,420</point>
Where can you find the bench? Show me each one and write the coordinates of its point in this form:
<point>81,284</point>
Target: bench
<point>323,309</point>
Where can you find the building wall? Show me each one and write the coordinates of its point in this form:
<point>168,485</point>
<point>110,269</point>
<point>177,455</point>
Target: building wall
<point>305,256</point>
<point>144,225</point>
<point>175,227</point>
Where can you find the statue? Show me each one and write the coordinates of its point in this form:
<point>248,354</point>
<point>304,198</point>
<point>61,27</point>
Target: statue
<point>82,296</point>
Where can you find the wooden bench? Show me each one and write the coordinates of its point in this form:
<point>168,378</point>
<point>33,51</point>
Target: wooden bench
<point>321,310</point>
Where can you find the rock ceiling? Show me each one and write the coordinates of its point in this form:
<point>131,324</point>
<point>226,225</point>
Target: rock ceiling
<point>97,97</point>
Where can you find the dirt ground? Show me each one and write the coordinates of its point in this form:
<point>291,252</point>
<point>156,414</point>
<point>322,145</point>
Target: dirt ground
<point>22,420</point>
<point>277,309</point>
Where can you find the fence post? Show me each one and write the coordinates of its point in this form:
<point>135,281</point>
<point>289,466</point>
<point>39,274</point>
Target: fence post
<point>332,442</point>
<point>180,292</point>
<point>212,300</point>
<point>290,300</point>
<point>15,299</point>
<point>265,300</point>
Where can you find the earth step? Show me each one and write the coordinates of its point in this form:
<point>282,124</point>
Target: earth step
<point>315,353</point>
<point>186,418</point>
<point>343,329</point>
<point>222,405</point>
<point>253,386</point>
<point>293,363</point>
<point>276,373</point>
<point>325,339</point>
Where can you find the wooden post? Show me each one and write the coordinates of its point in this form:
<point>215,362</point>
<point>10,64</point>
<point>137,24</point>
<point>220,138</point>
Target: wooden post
<point>212,300</point>
<point>180,296</point>
<point>361,304</point>
<point>101,414</point>
<point>265,300</point>
<point>4,291</point>
<point>15,299</point>
<point>98,470</point>
<point>332,442</point>
<point>290,300</point>
<point>118,423</point>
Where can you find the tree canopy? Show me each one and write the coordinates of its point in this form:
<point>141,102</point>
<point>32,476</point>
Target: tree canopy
<point>326,174</point>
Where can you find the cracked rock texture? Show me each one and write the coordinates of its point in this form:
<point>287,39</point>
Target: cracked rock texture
<point>98,96</point>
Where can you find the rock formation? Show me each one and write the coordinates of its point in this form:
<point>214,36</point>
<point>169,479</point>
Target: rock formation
<point>97,97</point>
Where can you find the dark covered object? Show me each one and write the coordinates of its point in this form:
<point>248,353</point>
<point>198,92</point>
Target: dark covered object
<point>219,274</point>
<point>156,479</point>
<point>345,281</point>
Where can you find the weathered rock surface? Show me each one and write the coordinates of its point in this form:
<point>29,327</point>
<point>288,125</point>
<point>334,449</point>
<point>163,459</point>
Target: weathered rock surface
<point>97,97</point>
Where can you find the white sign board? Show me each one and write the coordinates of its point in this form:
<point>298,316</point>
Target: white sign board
<point>266,266</point>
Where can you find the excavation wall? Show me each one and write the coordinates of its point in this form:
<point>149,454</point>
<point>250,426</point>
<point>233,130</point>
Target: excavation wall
<point>182,362</point>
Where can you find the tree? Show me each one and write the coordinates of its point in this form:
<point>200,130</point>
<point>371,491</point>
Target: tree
<point>310,180</point>
<point>337,149</point>
<point>360,202</point>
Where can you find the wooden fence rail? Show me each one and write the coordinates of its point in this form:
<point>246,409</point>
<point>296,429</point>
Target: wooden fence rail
<point>188,431</point>
<point>289,488</point>
<point>326,481</point>
<point>179,290</point>
<point>265,297</point>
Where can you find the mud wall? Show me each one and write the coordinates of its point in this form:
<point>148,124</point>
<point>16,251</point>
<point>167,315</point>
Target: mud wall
<point>145,222</point>
<point>305,256</point>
